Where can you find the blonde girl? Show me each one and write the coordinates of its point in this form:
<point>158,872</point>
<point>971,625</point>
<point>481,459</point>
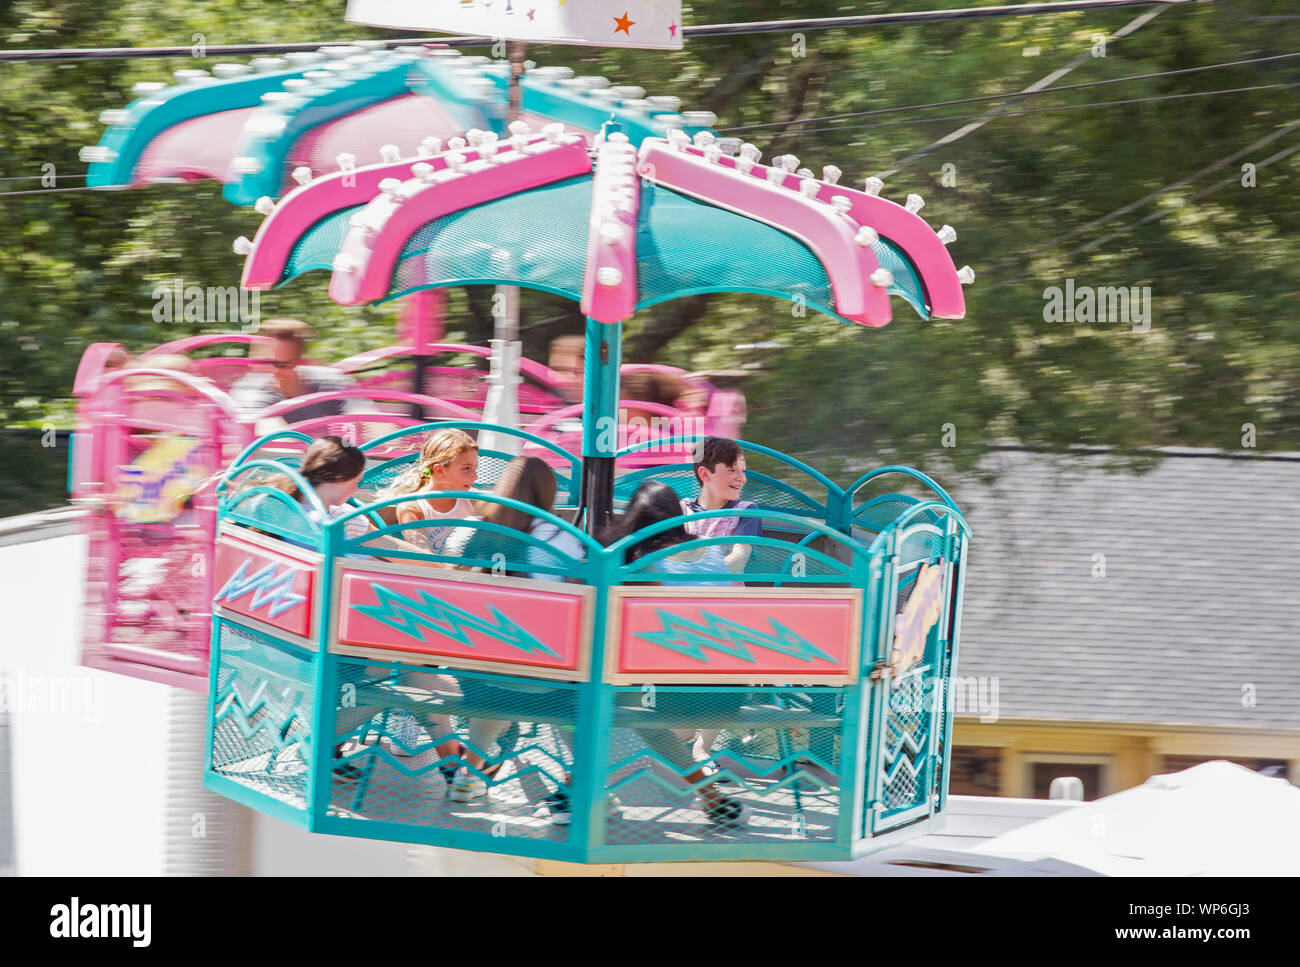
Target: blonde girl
<point>448,461</point>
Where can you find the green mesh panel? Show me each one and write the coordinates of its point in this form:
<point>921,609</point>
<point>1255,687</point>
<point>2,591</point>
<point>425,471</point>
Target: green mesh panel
<point>537,239</point>
<point>261,735</point>
<point>317,246</point>
<point>777,749</point>
<point>763,490</point>
<point>278,517</point>
<point>687,245</point>
<point>522,729</point>
<point>766,565</point>
<point>907,283</point>
<point>684,244</point>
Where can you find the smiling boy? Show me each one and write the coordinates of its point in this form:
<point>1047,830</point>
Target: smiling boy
<point>720,472</point>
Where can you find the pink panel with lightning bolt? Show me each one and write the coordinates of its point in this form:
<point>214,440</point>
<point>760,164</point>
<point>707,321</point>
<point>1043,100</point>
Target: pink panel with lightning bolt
<point>745,636</point>
<point>467,622</point>
<point>270,587</point>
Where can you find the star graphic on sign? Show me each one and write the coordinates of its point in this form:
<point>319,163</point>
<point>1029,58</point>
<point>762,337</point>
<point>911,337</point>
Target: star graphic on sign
<point>531,13</point>
<point>672,30</point>
<point>624,24</point>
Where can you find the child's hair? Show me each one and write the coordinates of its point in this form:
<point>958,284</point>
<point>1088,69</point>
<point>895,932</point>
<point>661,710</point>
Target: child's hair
<point>714,450</point>
<point>440,449</point>
<point>653,502</point>
<point>526,479</point>
<point>327,460</point>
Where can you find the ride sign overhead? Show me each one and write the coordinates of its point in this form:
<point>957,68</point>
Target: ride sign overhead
<point>626,23</point>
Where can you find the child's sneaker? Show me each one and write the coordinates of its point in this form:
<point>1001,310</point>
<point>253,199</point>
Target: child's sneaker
<point>558,805</point>
<point>726,812</point>
<point>466,786</point>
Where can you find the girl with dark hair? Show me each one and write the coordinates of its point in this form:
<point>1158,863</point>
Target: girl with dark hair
<point>654,502</point>
<point>529,480</point>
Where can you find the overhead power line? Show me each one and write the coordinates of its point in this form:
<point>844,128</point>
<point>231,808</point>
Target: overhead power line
<point>1133,205</point>
<point>1049,110</point>
<point>703,30</point>
<point>1134,25</point>
<point>1002,97</point>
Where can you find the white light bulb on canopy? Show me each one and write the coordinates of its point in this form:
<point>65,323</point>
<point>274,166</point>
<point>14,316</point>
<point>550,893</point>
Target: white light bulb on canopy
<point>608,275</point>
<point>966,275</point>
<point>391,153</point>
<point>243,246</point>
<point>866,236</point>
<point>873,186</point>
<point>831,174</point>
<point>264,205</point>
<point>882,277</point>
<point>947,234</point>
<point>302,175</point>
<point>914,203</point>
<point>430,146</point>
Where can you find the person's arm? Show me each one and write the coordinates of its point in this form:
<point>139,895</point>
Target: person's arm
<point>738,557</point>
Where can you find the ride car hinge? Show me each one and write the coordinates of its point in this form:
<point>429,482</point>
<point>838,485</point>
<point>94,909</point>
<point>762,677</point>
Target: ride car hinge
<point>880,671</point>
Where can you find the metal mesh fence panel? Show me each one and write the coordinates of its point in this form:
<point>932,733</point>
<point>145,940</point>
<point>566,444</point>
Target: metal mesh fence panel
<point>261,735</point>
<point>453,750</point>
<point>697,764</point>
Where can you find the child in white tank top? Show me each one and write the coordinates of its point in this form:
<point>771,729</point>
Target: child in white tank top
<point>448,461</point>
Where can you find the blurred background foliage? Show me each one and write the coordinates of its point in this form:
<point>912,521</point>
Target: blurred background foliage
<point>1223,264</point>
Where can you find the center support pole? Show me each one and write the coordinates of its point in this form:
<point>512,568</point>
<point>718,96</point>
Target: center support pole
<point>502,404</point>
<point>604,353</point>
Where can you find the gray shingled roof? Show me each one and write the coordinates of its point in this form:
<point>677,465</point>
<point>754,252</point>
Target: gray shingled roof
<point>1199,599</point>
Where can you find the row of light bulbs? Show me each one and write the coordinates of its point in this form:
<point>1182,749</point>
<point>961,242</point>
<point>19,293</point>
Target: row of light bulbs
<point>745,156</point>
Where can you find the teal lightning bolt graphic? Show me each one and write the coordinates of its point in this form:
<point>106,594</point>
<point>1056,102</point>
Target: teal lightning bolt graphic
<point>266,587</point>
<point>728,637</point>
<point>408,615</point>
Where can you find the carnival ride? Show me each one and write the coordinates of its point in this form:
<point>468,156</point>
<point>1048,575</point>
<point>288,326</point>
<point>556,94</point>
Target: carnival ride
<point>262,129</point>
<point>813,691</point>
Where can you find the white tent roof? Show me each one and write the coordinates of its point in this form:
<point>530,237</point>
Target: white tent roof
<point>1214,819</point>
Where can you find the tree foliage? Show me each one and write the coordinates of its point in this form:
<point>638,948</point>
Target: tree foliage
<point>1223,348</point>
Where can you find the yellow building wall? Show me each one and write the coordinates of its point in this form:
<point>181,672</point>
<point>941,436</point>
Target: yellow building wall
<point>1133,752</point>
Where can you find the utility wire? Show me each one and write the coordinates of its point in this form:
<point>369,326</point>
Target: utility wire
<point>1001,97</point>
<point>1137,23</point>
<point>1156,216</point>
<point>703,30</point>
<point>1131,206</point>
<point>1048,110</point>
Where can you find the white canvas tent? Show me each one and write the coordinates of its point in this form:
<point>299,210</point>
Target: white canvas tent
<point>1214,819</point>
